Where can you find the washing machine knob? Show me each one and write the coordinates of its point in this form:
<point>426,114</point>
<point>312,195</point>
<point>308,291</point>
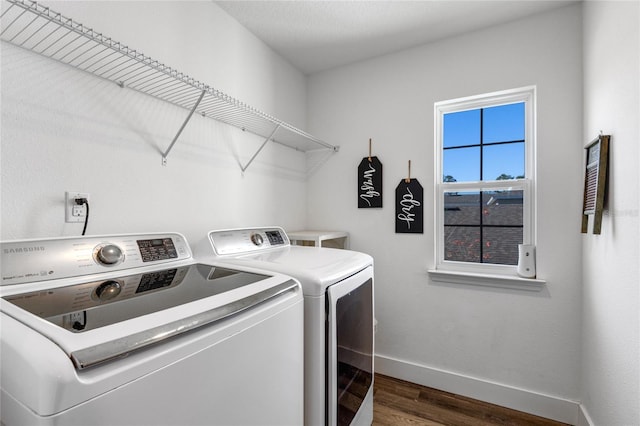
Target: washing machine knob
<point>109,254</point>
<point>257,239</point>
<point>108,290</point>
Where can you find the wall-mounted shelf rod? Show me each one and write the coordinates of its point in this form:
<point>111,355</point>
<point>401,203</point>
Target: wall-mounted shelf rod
<point>27,24</point>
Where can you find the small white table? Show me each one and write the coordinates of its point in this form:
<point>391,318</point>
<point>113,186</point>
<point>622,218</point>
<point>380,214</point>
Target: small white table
<point>334,239</point>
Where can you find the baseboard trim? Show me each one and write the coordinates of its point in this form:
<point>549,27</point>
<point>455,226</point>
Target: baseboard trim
<point>559,409</point>
<point>583,417</point>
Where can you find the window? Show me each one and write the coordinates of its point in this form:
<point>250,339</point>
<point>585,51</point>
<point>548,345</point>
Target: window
<point>484,181</point>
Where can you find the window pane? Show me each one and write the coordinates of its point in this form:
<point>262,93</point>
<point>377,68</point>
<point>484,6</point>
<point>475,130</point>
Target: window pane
<point>461,128</point>
<point>500,245</point>
<point>461,164</point>
<point>503,123</point>
<point>462,243</point>
<point>503,161</point>
<point>502,208</point>
<point>462,208</point>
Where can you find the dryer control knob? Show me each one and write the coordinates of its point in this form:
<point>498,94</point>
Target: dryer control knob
<point>109,255</point>
<point>108,290</point>
<point>257,239</point>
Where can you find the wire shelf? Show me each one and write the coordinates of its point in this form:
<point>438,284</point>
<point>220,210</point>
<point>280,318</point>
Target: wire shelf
<point>32,26</point>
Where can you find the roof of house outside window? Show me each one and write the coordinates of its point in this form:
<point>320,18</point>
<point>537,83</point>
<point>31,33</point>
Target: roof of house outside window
<point>500,215</point>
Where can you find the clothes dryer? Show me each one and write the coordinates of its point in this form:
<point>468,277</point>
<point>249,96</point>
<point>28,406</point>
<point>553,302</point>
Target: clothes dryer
<point>338,287</point>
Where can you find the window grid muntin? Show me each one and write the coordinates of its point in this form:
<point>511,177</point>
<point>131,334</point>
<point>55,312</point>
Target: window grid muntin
<point>481,225</point>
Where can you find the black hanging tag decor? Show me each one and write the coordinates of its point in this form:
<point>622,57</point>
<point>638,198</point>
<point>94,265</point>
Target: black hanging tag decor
<point>369,182</point>
<point>409,207</point>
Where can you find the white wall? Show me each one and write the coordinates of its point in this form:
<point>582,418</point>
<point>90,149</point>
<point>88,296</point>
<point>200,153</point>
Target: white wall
<point>64,130</point>
<point>611,316</point>
<point>512,339</point>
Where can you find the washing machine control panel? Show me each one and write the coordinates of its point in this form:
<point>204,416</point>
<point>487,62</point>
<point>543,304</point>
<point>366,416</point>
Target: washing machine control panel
<point>248,240</point>
<point>39,260</point>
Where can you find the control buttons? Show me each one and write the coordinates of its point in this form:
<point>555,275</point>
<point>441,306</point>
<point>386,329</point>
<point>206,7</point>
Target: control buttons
<point>109,254</point>
<point>275,238</point>
<point>257,239</point>
<point>108,290</point>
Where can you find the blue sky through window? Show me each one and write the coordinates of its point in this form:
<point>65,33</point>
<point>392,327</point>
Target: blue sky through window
<point>504,123</point>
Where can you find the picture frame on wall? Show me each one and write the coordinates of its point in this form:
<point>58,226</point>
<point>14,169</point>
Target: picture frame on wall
<point>595,182</point>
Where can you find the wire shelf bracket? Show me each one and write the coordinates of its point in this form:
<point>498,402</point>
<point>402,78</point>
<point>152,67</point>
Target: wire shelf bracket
<point>37,28</point>
<point>175,138</point>
<point>270,137</point>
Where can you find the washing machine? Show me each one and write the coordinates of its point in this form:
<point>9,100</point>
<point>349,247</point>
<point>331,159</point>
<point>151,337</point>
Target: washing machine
<point>130,330</point>
<point>338,287</point>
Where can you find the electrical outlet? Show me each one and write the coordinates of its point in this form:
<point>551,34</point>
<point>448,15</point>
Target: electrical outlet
<point>75,212</point>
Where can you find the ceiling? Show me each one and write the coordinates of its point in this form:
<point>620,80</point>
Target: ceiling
<point>318,35</point>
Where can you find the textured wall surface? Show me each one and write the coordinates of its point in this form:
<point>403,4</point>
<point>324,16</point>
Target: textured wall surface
<point>611,271</point>
<point>65,130</point>
<point>526,340</point>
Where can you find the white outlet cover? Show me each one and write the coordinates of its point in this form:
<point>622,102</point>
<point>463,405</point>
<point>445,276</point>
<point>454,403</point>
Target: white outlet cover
<point>70,203</point>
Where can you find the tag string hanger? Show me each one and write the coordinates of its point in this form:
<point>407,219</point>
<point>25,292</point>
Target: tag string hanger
<point>408,179</point>
<point>369,149</point>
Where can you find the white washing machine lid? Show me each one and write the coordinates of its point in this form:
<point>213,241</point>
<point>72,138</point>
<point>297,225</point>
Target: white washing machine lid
<point>189,300</point>
<point>40,355</point>
<point>315,267</point>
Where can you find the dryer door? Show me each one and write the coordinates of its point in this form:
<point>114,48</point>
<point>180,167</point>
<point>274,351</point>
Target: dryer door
<point>350,349</point>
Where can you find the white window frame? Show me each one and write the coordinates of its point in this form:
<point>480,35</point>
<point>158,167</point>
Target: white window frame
<point>485,273</point>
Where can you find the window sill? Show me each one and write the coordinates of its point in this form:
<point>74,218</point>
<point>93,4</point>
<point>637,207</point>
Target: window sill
<point>486,280</point>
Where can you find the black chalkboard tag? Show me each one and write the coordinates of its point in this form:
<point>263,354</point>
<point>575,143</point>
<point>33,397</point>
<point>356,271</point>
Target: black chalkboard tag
<point>409,207</point>
<point>369,183</point>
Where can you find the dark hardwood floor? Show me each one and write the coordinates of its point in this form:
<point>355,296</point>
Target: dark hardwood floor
<point>399,403</point>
